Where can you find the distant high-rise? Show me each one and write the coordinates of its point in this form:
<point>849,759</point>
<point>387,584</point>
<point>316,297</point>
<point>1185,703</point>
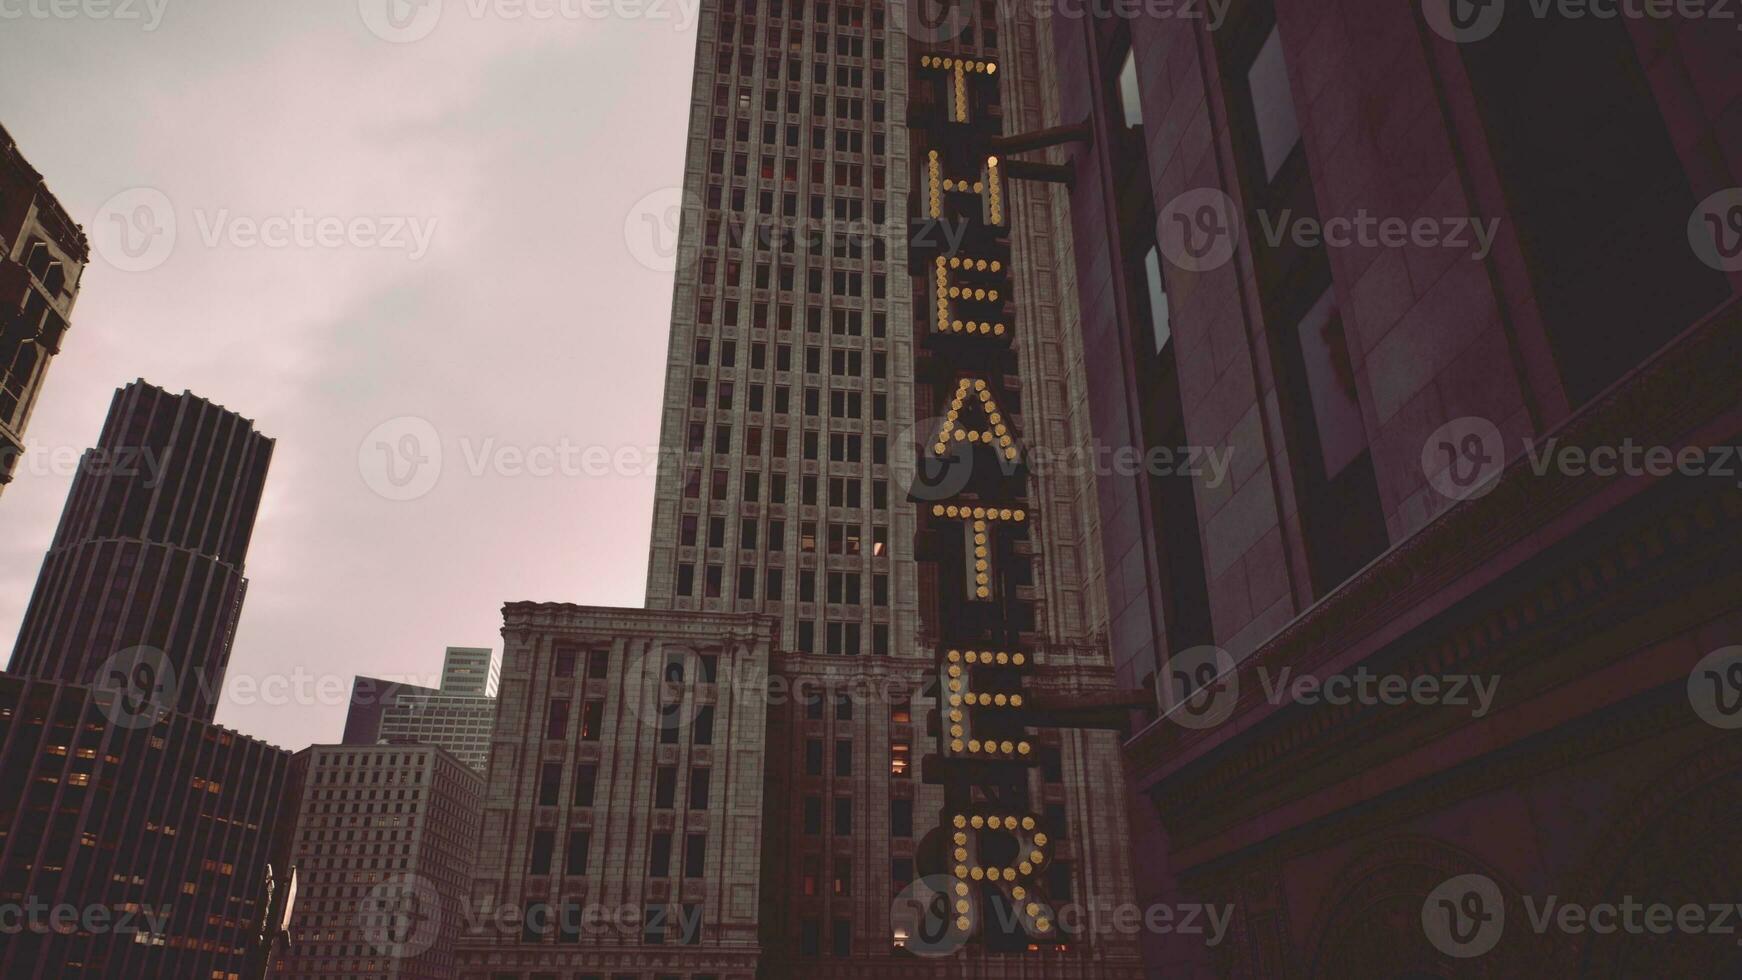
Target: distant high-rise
<point>384,843</point>
<point>399,713</point>
<point>42,254</point>
<point>469,670</point>
<point>147,560</point>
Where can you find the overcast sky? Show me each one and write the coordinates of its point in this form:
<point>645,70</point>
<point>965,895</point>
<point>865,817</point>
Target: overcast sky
<point>367,245</point>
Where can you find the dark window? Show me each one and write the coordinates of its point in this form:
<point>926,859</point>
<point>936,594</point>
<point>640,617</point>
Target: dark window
<point>659,860</point>
<point>579,843</point>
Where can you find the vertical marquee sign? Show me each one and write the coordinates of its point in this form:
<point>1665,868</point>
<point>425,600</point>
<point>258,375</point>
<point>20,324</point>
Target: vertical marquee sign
<point>971,496</point>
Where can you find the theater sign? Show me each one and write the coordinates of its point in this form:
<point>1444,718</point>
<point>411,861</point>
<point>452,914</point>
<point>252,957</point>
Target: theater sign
<point>972,495</point>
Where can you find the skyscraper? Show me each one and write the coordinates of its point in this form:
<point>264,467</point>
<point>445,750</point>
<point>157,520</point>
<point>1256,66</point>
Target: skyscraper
<point>384,841</point>
<point>457,716</point>
<point>124,802</point>
<point>42,255</point>
<point>800,389</point>
<point>470,670</point>
<point>798,393</point>
<point>146,565</point>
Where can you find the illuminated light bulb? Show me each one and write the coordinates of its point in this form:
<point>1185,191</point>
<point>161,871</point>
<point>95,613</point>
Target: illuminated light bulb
<point>977,821</point>
<point>961,854</point>
<point>979,186</point>
<point>954,655</point>
<point>977,874</point>
<point>955,715</point>
<point>1027,869</point>
<point>1036,857</point>
<point>1009,874</point>
<point>1022,747</point>
<point>937,510</point>
<point>996,265</point>
<point>1039,839</point>
<point>962,907</point>
<point>960,821</point>
<point>956,746</point>
<point>974,746</point>
<point>1003,657</point>
<point>957,325</point>
<point>1017,658</point>
<point>963,924</point>
<point>1019,893</point>
<point>985,593</point>
<point>961,888</point>
<point>1016,700</point>
<point>1006,747</point>
<point>998,329</point>
<point>1000,700</point>
<point>1028,824</point>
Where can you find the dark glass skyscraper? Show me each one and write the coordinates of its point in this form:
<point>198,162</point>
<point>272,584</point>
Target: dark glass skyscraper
<point>146,565</point>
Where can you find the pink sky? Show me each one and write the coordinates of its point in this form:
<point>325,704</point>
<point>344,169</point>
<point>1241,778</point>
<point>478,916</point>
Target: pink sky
<point>524,148</point>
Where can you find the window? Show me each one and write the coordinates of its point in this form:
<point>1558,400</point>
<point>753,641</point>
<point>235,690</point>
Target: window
<point>1129,101</point>
<point>563,664</point>
<point>810,937</point>
<point>1273,104</point>
<point>579,843</point>
<point>586,775</point>
<point>704,728</point>
<point>813,815</point>
<point>557,727</point>
<point>843,707</point>
<point>843,816</point>
<point>665,787</point>
<point>843,758</point>
<point>700,780</point>
<point>900,758</point>
<point>543,843</point>
<point>598,664</point>
<point>592,720</point>
<point>695,855</point>
<point>843,937</point>
<point>901,818</point>
<point>1160,330</point>
<point>812,871</point>
<point>843,883</point>
<point>550,784</point>
<point>659,856</point>
<point>653,925</point>
<point>813,757</point>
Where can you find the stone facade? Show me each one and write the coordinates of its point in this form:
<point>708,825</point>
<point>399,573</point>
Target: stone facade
<point>42,256</point>
<point>1346,540</point>
<point>624,804</point>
